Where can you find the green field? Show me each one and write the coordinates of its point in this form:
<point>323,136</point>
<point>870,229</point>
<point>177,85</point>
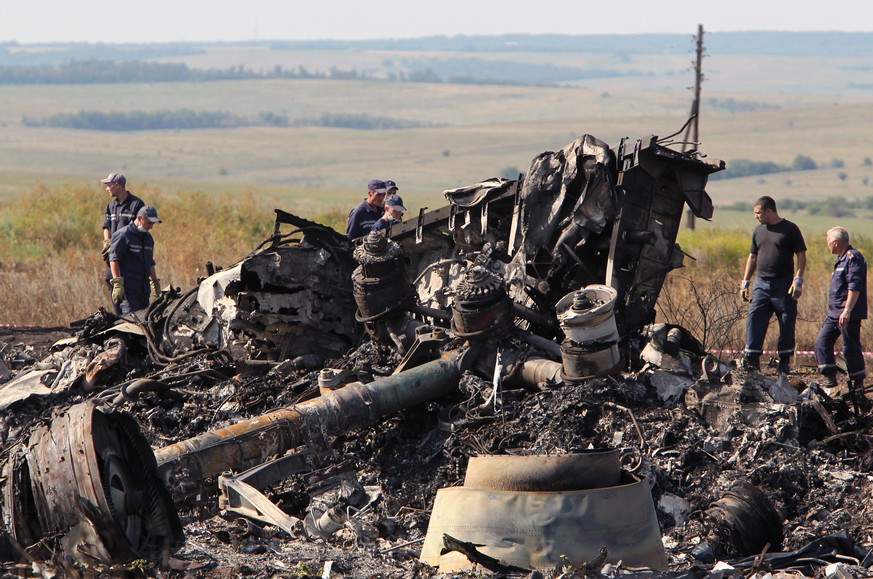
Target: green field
<point>794,106</point>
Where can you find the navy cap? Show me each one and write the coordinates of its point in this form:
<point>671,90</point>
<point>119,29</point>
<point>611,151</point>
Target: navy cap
<point>377,185</point>
<point>114,178</point>
<point>389,184</point>
<point>395,202</point>
<point>149,213</point>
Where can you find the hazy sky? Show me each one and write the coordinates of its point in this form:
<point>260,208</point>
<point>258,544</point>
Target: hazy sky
<point>34,21</point>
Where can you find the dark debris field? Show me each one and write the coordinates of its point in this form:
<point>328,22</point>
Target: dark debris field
<point>810,460</point>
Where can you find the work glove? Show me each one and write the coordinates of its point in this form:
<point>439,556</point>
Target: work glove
<point>156,287</point>
<point>744,290</point>
<point>117,289</point>
<point>796,288</point>
<point>107,243</point>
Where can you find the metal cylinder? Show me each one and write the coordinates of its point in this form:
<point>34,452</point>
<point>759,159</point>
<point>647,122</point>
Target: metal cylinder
<point>251,442</point>
<point>91,479</point>
<point>587,317</point>
<point>481,308</point>
<point>541,528</point>
<point>584,362</point>
<point>532,372</point>
<point>381,284</point>
<point>562,472</point>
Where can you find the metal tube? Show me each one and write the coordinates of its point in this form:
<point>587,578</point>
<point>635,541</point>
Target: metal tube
<point>245,444</point>
<point>534,371</point>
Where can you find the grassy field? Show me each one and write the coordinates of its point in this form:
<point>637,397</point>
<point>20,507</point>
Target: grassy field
<point>793,106</point>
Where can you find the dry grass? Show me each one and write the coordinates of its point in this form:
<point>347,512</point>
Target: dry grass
<point>52,272</point>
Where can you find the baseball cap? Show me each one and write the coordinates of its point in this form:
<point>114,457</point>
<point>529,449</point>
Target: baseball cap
<point>389,184</point>
<point>377,185</point>
<point>149,213</point>
<point>395,202</point>
<point>114,178</point>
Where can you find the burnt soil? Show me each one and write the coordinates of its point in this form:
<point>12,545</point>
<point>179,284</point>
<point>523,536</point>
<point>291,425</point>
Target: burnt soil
<point>811,461</point>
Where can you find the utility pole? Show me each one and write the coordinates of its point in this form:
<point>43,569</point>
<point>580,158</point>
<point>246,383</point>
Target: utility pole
<point>691,132</point>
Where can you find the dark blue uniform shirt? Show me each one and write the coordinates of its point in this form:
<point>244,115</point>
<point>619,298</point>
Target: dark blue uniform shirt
<point>850,273</point>
<point>134,251</point>
<point>362,218</point>
<point>121,213</point>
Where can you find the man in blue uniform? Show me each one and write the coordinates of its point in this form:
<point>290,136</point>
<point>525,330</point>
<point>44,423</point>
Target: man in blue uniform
<point>131,259</point>
<point>847,306</point>
<point>775,243</point>
<point>364,215</point>
<point>394,211</point>
<point>120,211</point>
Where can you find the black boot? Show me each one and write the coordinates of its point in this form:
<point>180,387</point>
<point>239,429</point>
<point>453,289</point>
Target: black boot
<point>856,392</point>
<point>784,366</point>
<point>830,378</point>
<point>751,362</point>
<point>857,386</point>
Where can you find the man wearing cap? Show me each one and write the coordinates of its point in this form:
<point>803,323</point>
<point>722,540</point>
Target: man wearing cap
<point>394,211</point>
<point>364,215</point>
<point>120,211</point>
<point>131,260</point>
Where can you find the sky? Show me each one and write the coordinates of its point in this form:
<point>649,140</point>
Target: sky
<point>43,21</point>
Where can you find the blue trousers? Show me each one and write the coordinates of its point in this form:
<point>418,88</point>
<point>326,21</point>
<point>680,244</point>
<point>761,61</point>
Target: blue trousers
<point>770,296</point>
<point>134,299</point>
<point>852,351</point>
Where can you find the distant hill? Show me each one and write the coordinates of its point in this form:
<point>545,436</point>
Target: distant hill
<point>509,59</point>
<point>729,43</point>
<point>776,43</point>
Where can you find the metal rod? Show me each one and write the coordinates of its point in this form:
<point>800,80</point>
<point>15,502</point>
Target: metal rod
<point>245,444</point>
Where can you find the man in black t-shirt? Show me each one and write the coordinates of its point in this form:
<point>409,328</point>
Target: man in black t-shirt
<point>775,243</point>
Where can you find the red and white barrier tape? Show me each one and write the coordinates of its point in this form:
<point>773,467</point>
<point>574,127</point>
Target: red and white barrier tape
<point>809,353</point>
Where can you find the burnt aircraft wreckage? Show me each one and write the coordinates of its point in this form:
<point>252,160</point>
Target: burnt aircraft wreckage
<point>542,282</point>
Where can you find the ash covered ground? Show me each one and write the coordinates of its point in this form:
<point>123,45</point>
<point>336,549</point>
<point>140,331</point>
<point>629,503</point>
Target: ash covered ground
<point>810,459</point>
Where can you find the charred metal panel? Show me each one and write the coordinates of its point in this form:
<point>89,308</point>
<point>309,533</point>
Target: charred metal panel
<point>560,229</point>
<point>654,183</point>
<point>580,216</point>
<point>290,298</point>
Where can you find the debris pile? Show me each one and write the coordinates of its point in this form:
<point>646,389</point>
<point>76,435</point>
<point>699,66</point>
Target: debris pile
<point>467,392</point>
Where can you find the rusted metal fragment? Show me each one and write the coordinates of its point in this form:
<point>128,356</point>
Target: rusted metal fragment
<point>103,363</point>
<point>242,494</point>
<point>589,470</point>
<point>91,479</point>
<point>32,383</point>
